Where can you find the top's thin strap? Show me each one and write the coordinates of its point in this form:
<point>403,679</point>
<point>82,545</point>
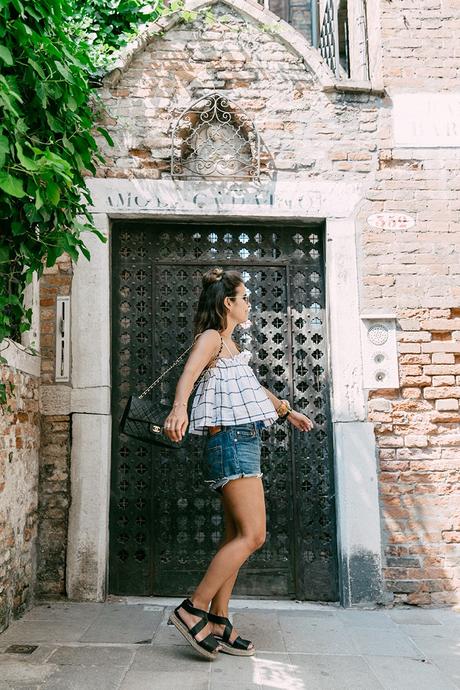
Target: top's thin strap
<point>228,349</point>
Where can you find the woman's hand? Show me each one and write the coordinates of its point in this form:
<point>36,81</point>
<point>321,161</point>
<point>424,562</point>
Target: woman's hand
<point>176,424</point>
<point>300,421</point>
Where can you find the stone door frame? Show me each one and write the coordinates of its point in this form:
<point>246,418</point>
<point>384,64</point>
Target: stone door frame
<point>357,501</point>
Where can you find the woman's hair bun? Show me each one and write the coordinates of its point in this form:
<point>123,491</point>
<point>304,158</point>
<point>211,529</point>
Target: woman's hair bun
<point>212,276</point>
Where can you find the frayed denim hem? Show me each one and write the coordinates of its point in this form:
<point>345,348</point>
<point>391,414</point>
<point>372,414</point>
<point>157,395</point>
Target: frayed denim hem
<point>219,483</point>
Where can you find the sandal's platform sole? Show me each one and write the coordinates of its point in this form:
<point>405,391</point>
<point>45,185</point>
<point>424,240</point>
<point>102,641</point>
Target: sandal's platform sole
<point>228,649</point>
<point>184,631</point>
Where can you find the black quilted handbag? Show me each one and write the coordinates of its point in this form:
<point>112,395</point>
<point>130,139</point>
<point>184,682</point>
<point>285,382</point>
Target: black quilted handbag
<point>143,418</point>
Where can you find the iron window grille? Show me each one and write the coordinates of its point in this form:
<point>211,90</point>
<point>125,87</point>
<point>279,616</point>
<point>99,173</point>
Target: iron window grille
<point>215,139</point>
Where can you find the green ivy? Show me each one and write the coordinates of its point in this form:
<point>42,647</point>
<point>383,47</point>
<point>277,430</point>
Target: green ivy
<point>107,25</point>
<point>46,146</point>
<point>50,51</point>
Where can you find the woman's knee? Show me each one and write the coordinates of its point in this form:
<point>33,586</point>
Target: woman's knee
<point>256,540</point>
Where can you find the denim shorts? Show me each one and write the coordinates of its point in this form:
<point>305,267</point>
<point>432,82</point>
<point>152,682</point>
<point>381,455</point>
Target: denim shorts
<point>232,453</point>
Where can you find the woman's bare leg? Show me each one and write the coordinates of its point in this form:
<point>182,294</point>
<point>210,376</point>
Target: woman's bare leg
<point>219,603</point>
<point>244,499</point>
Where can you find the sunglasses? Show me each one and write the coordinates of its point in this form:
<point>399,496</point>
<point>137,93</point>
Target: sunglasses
<point>245,297</point>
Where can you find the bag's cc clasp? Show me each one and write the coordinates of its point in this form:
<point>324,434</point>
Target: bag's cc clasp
<point>155,429</point>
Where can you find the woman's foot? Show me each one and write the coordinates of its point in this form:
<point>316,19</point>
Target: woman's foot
<point>193,624</point>
<point>228,637</point>
<point>192,620</point>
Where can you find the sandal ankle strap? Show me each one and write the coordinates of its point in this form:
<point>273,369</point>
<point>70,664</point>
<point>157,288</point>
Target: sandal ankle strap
<point>188,606</point>
<point>220,620</point>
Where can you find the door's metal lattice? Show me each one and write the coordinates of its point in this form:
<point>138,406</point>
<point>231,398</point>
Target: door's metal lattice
<point>165,525</point>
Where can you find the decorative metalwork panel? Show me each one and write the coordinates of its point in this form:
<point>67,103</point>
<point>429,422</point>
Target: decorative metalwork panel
<point>165,524</point>
<point>328,41</point>
<point>214,139</point>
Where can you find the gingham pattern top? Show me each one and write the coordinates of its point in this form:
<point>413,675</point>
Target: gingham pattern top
<point>228,394</point>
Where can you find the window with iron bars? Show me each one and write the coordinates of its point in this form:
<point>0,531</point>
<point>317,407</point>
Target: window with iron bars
<point>337,28</point>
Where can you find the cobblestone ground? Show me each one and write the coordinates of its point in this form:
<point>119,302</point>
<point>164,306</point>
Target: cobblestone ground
<point>128,645</point>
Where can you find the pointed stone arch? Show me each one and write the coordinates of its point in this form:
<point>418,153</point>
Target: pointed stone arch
<point>214,138</point>
<point>282,31</point>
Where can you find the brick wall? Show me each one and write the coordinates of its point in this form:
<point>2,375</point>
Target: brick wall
<point>419,44</point>
<point>417,431</point>
<point>19,446</point>
<point>416,274</point>
<point>54,477</point>
<point>305,132</point>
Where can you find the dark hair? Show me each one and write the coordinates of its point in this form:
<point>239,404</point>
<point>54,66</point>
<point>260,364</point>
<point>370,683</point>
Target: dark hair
<point>217,285</point>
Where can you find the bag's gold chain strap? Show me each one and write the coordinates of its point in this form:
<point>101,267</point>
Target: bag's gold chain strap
<point>152,385</point>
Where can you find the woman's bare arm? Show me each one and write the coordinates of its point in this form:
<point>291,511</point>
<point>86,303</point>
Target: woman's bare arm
<point>276,401</point>
<point>206,347</point>
<point>297,419</point>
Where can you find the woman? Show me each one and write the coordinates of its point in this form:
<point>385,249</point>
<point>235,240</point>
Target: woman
<point>229,407</point>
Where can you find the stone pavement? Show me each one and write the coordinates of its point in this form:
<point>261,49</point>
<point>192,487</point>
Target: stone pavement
<point>126,644</point>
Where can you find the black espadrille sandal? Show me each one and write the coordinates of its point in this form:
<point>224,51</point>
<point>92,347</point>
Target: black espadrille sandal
<point>207,647</point>
<point>238,647</point>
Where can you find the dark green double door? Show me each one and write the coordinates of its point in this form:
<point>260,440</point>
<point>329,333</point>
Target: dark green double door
<point>165,525</point>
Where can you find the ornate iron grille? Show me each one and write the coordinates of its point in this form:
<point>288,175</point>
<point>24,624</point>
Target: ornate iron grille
<point>165,524</point>
<point>328,40</point>
<point>215,139</point>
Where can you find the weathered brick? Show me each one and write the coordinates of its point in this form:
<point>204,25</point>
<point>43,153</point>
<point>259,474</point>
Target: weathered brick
<point>414,440</point>
<point>447,404</point>
<point>442,369</point>
<point>443,381</point>
<point>441,324</point>
<point>412,393</point>
<point>441,346</point>
<point>442,392</point>
<point>414,337</point>
<point>409,324</point>
<point>390,442</point>
<point>414,348</point>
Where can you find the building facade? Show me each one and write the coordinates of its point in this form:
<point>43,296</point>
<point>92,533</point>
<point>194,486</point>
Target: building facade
<point>318,153</point>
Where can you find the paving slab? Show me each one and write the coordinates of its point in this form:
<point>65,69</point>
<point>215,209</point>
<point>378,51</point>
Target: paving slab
<point>316,635</point>
<point>240,670</point>
<point>19,686</point>
<point>449,665</point>
<point>262,628</point>
<point>320,671</point>
<point>85,678</point>
<point>262,669</point>
<point>165,680</point>
<point>123,624</point>
<point>366,619</point>
<point>372,641</point>
<point>49,632</point>
<point>413,617</point>
<point>87,655</point>
<point>64,612</point>
<point>399,673</point>
<point>182,658</point>
<point>167,635</point>
<point>433,640</point>
<point>15,671</point>
<point>446,616</point>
